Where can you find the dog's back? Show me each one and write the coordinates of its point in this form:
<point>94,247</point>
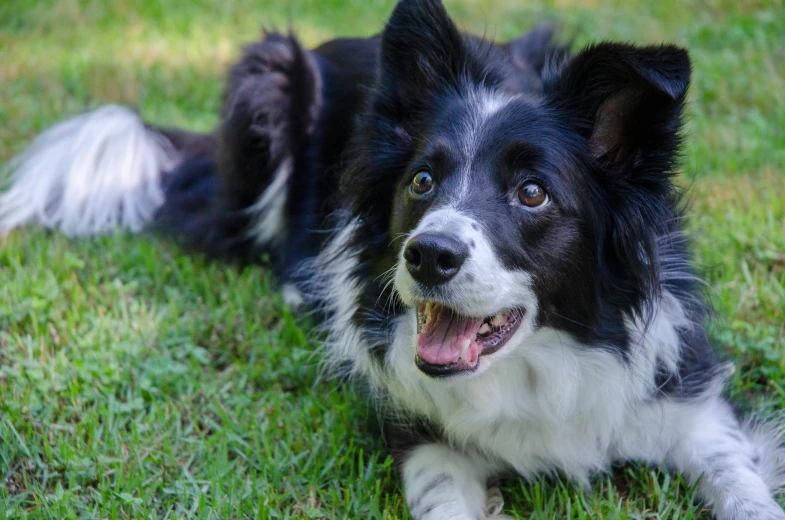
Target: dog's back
<point>263,183</point>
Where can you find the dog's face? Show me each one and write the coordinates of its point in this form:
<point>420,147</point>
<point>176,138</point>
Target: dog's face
<point>491,228</point>
<point>505,212</point>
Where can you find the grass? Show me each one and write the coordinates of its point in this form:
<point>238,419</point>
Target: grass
<point>140,382</point>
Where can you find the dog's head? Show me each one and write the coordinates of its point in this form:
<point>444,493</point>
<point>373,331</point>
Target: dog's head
<point>497,213</point>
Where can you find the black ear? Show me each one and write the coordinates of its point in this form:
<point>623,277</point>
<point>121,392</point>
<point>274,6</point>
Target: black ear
<point>627,101</point>
<point>422,51</point>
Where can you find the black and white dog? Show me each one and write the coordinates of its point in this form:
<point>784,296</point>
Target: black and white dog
<point>490,232</point>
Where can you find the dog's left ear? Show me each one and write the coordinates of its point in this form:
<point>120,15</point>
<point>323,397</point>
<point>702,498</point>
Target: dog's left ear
<point>627,101</point>
<point>423,52</point>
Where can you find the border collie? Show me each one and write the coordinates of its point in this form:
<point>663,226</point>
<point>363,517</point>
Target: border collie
<point>490,232</point>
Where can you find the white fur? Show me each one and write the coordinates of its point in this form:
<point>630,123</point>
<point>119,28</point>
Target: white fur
<point>270,222</point>
<point>484,105</point>
<point>89,175</point>
<point>767,434</point>
<point>292,296</point>
<point>441,483</point>
<point>333,285</point>
<point>551,404</point>
<point>711,446</point>
<point>546,403</point>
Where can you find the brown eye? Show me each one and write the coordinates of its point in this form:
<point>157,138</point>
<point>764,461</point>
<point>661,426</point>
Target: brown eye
<point>532,195</point>
<point>422,183</point>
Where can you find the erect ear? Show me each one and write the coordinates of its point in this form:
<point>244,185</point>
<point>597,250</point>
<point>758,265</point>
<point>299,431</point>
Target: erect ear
<point>628,102</point>
<point>422,50</point>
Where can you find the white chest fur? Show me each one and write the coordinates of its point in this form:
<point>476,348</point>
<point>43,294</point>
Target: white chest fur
<point>548,403</point>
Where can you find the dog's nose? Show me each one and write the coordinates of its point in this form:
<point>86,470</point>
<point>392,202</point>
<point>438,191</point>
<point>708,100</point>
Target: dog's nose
<point>434,258</point>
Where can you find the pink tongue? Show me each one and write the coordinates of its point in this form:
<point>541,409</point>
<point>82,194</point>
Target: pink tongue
<point>443,336</point>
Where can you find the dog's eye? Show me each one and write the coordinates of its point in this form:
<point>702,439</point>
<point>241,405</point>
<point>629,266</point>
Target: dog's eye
<point>422,183</point>
<point>532,195</point>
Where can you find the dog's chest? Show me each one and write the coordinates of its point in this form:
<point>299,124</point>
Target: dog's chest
<point>550,409</point>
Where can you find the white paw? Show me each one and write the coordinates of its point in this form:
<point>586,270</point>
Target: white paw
<point>494,505</point>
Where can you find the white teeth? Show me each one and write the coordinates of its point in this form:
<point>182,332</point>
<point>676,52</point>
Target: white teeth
<point>485,329</point>
<point>498,320</point>
<point>465,347</point>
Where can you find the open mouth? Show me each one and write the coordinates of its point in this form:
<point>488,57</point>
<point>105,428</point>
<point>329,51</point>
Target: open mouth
<point>449,343</point>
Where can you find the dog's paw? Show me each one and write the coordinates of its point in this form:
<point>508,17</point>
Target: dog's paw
<point>494,505</point>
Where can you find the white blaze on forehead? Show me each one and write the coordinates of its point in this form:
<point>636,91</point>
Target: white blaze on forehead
<point>483,105</point>
<point>492,102</point>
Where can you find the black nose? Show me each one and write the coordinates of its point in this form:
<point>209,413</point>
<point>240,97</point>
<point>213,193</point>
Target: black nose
<point>434,258</point>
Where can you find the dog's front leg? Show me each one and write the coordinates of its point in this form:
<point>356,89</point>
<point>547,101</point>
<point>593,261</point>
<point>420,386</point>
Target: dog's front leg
<point>737,468</point>
<point>442,483</point>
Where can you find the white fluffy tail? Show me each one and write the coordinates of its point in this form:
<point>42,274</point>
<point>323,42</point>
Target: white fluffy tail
<point>89,175</point>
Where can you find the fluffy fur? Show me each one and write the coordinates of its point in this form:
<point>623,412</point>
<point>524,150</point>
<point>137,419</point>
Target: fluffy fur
<point>318,162</point>
<point>92,174</point>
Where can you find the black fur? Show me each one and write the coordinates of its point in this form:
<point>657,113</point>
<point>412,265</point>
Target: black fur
<point>270,107</point>
<point>356,117</point>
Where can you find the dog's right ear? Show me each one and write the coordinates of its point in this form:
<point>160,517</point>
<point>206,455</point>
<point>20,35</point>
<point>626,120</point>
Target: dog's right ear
<point>423,52</point>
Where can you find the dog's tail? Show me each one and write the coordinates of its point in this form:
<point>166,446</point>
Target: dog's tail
<point>96,173</point>
<point>224,194</point>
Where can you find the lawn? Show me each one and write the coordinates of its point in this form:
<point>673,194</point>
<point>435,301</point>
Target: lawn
<point>137,381</point>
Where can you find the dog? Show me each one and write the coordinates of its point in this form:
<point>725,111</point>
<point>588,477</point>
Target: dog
<point>490,233</point>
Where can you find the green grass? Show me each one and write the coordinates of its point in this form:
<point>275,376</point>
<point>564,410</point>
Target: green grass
<point>140,382</point>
